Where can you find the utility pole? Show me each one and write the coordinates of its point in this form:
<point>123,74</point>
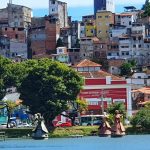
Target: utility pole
<point>102,100</point>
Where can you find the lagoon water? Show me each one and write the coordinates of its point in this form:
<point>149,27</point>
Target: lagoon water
<point>140,142</point>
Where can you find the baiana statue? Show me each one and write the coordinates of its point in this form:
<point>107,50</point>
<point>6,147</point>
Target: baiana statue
<point>105,129</point>
<point>40,131</point>
<point>117,129</point>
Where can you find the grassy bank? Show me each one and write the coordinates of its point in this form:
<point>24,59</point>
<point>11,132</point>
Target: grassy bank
<point>77,130</point>
<point>66,132</point>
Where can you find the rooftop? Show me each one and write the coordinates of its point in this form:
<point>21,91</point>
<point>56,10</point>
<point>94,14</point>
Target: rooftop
<point>87,63</point>
<point>98,74</point>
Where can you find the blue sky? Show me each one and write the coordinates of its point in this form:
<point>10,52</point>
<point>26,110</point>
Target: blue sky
<point>81,11</point>
<point>76,8</point>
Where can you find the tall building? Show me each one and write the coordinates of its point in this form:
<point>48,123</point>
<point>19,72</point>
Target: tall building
<point>108,5</point>
<point>15,16</point>
<point>58,10</point>
<point>103,21</point>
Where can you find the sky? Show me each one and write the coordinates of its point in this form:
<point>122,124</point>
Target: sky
<point>83,7</point>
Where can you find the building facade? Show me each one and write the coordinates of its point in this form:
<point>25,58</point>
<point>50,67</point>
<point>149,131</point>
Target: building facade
<point>103,21</point>
<point>43,36</point>
<point>102,89</point>
<point>58,10</point>
<point>15,16</point>
<point>107,5</point>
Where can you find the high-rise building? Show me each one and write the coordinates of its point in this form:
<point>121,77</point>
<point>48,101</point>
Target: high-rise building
<point>58,10</point>
<point>108,5</point>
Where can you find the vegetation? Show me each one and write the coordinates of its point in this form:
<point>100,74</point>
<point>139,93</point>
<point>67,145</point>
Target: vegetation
<point>59,43</point>
<point>142,118</point>
<point>76,107</point>
<point>127,68</point>
<point>146,8</point>
<point>4,72</point>
<point>116,106</point>
<point>57,132</point>
<point>46,86</point>
<point>49,87</point>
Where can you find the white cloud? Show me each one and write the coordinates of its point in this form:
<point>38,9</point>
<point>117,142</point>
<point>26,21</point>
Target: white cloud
<point>71,3</point>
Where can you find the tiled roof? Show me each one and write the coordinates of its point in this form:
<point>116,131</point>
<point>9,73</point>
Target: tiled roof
<point>116,62</point>
<point>98,74</point>
<point>145,90</point>
<point>87,63</point>
<point>125,14</point>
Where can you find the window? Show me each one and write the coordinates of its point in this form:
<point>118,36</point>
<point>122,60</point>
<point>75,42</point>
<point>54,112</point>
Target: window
<point>134,38</point>
<point>140,46</point>
<point>122,53</point>
<point>5,29</point>
<point>16,36</point>
<point>129,22</point>
<point>127,53</point>
<point>13,29</point>
<point>106,16</point>
<point>134,46</point>
<point>97,68</point>
<point>109,54</point>
<point>139,77</point>
<point>53,2</point>
<point>99,16</point>
<point>53,9</point>
<point>60,50</point>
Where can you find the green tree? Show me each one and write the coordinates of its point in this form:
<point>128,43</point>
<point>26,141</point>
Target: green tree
<point>117,106</point>
<point>49,87</point>
<point>126,69</point>
<point>59,43</point>
<point>10,105</point>
<point>146,8</point>
<point>142,118</point>
<point>74,108</point>
<point>4,72</point>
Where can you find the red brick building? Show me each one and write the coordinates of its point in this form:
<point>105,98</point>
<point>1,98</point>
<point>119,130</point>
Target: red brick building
<point>17,34</point>
<point>101,86</point>
<point>43,34</point>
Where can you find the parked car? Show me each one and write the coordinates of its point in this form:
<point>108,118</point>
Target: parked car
<point>61,124</point>
<point>23,125</point>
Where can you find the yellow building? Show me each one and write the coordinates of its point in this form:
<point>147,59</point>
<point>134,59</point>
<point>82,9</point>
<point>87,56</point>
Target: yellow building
<point>103,21</point>
<point>90,30</point>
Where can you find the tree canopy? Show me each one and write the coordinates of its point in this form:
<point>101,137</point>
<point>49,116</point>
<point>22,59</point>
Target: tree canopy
<point>4,79</point>
<point>127,68</point>
<point>59,43</point>
<point>48,88</point>
<point>142,118</point>
<point>146,8</point>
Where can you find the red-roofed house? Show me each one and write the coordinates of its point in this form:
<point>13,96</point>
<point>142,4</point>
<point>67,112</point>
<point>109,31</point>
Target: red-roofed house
<point>100,84</point>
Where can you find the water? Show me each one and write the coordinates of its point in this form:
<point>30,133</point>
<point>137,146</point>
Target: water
<point>140,142</point>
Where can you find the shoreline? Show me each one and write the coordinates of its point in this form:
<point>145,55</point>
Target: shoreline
<point>68,132</point>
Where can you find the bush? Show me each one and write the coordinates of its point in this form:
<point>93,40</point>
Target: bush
<point>142,118</point>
